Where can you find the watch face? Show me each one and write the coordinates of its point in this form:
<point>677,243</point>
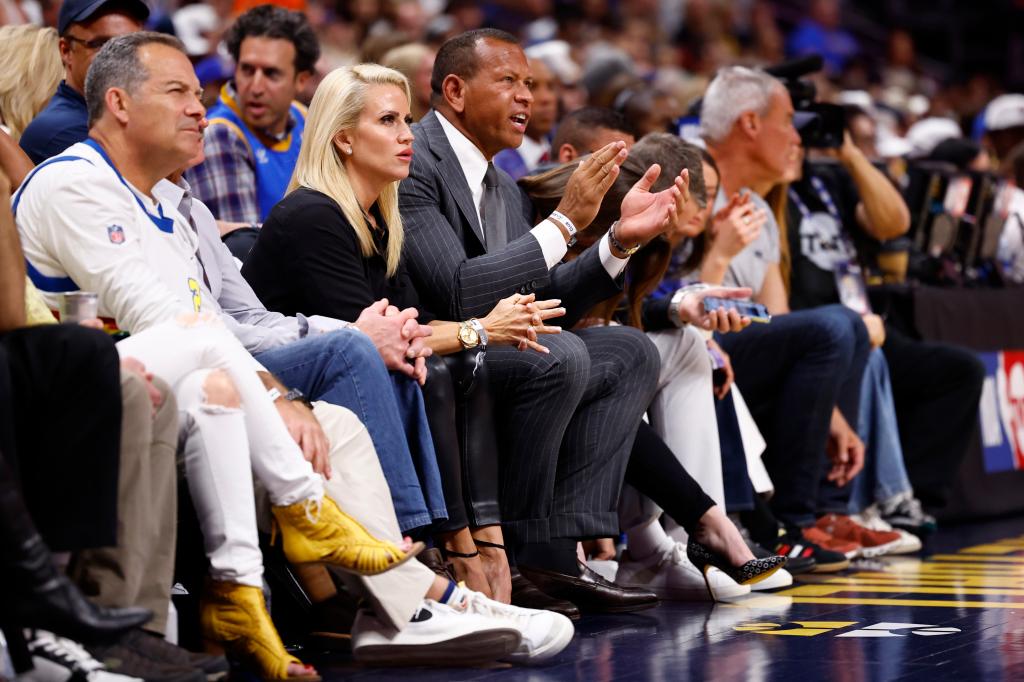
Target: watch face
<point>468,336</point>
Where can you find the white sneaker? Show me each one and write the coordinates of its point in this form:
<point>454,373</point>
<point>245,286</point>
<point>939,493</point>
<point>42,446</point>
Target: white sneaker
<point>545,633</point>
<point>671,575</point>
<point>56,659</point>
<point>438,634</point>
<point>777,580</point>
<point>872,518</point>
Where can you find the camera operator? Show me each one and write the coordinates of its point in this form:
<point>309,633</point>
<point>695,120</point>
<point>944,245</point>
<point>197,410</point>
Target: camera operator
<point>838,212</point>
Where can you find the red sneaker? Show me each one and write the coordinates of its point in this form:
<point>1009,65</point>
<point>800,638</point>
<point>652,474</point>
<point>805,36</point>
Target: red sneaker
<point>872,542</point>
<point>824,539</point>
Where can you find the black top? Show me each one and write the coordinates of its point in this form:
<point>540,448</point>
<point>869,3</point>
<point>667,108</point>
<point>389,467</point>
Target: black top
<point>307,260</point>
<point>63,122</point>
<point>813,246</point>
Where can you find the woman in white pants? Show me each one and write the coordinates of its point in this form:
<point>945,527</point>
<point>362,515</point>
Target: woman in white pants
<point>232,431</point>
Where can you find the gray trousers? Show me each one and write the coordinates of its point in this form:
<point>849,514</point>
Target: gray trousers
<point>566,422</point>
<point>139,571</point>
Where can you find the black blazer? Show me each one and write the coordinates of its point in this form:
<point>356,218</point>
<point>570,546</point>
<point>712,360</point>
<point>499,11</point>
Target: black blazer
<point>455,276</point>
<point>307,259</point>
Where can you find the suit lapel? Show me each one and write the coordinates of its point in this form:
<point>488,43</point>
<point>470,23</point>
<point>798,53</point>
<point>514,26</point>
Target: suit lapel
<point>451,172</point>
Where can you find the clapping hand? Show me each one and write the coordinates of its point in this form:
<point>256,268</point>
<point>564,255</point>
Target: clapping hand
<point>644,215</point>
<point>588,184</point>
<point>736,225</point>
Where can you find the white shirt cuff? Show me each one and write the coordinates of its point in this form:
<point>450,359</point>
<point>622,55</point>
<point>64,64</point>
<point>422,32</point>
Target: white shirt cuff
<point>552,242</point>
<point>613,265</point>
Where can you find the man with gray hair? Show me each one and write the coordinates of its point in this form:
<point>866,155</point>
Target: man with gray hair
<point>808,363</point>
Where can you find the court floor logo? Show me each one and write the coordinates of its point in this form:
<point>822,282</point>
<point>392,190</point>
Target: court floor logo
<point>813,628</point>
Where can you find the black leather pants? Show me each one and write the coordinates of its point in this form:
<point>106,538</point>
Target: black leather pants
<point>461,417</point>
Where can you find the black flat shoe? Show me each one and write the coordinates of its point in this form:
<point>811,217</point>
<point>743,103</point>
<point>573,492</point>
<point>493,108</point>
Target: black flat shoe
<point>526,595</point>
<point>589,591</point>
<point>749,573</point>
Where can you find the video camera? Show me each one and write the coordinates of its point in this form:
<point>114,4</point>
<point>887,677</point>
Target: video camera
<point>820,125</point>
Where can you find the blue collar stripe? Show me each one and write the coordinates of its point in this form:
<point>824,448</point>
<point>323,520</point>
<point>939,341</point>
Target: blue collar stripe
<point>44,164</point>
<point>51,285</point>
<point>163,223</point>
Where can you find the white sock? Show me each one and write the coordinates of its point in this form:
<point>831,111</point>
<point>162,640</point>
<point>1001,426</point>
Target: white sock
<point>647,540</point>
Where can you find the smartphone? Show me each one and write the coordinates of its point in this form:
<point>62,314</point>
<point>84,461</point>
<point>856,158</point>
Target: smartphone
<point>755,311</point>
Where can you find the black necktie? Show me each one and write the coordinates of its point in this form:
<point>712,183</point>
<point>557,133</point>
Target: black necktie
<point>492,212</point>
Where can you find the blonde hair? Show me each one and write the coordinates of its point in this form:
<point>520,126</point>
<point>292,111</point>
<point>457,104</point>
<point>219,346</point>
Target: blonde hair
<point>32,70</point>
<point>336,106</point>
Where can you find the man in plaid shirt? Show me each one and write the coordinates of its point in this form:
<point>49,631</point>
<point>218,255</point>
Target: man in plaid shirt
<point>256,126</point>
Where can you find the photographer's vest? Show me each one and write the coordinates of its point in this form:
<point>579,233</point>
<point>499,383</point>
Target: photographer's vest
<point>273,164</point>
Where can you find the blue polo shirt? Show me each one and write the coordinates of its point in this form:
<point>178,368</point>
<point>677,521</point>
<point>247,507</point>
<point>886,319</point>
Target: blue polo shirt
<point>64,122</point>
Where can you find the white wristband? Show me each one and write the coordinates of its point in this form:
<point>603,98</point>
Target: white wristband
<point>562,219</point>
<point>480,331</point>
<point>273,393</point>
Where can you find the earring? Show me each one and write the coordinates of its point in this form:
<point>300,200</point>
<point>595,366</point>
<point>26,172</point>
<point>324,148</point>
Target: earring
<point>349,151</point>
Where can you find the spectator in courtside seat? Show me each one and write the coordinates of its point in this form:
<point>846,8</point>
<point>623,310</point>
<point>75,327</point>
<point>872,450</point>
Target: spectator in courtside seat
<point>84,27</point>
<point>256,126</point>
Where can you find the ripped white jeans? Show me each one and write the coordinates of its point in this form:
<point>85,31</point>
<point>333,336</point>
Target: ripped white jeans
<point>225,446</point>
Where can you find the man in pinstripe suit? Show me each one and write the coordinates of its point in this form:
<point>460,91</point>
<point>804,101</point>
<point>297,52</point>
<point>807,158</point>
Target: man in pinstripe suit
<point>567,418</point>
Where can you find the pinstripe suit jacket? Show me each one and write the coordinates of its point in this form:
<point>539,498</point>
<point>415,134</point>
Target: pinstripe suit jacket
<point>444,244</point>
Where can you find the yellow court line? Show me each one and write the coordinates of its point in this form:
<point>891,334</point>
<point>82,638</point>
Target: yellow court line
<point>911,602</point>
<point>954,567</point>
<point>825,590</point>
<point>932,582</point>
<point>973,558</point>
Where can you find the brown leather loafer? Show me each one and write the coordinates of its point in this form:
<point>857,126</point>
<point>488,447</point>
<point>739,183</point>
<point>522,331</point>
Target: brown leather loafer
<point>526,595</point>
<point>589,591</point>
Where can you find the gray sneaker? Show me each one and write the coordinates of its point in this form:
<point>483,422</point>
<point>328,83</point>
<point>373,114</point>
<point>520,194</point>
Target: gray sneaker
<point>905,512</point>
<point>57,659</point>
<point>160,650</point>
<point>123,659</point>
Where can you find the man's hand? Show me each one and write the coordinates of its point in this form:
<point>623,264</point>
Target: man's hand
<point>136,367</point>
<point>736,225</point>
<point>847,153</point>
<point>845,449</point>
<point>307,432</point>
<point>590,182</point>
<point>691,310</point>
<point>398,337</point>
<point>876,329</point>
<point>644,215</point>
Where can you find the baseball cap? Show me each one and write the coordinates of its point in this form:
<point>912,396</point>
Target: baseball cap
<point>927,133</point>
<point>1005,111</point>
<point>79,10</point>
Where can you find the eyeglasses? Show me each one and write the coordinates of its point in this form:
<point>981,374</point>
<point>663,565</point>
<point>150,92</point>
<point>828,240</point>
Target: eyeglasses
<point>94,44</point>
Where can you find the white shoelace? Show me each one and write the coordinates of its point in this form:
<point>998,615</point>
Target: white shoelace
<point>479,604</point>
<point>67,651</point>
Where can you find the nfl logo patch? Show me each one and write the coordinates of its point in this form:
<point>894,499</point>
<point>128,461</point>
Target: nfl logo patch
<point>116,234</point>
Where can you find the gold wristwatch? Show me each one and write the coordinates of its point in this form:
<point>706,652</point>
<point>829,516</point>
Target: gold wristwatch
<point>468,336</point>
<point>472,334</point>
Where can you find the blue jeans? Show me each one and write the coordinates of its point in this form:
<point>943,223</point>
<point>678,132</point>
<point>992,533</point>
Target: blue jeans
<point>885,474</point>
<point>793,372</point>
<point>344,368</point>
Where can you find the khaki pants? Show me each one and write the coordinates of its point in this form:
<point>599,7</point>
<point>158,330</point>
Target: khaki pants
<point>358,486</point>
<point>139,571</point>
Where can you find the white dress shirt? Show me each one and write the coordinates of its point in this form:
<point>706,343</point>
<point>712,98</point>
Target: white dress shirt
<point>548,235</point>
